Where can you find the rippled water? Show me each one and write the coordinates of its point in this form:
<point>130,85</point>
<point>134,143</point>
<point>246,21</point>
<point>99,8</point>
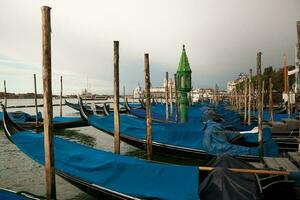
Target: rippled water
<point>18,172</point>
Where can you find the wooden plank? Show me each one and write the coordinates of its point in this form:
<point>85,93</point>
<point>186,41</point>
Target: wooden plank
<point>48,110</point>
<point>280,164</point>
<point>116,99</point>
<point>294,156</point>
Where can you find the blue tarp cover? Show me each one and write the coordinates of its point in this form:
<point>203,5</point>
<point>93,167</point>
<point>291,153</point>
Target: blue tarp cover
<point>196,136</point>
<point>131,176</point>
<point>65,119</point>
<point>6,195</point>
<point>21,117</point>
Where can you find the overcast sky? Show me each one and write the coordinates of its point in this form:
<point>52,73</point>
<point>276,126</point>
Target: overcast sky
<point>221,38</point>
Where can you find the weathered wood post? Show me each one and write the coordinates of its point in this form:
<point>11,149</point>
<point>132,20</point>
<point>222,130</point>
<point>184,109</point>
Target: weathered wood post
<point>262,98</point>
<point>271,100</point>
<point>287,85</point>
<point>148,108</point>
<point>35,101</point>
<point>124,94</point>
<point>259,104</point>
<point>61,96</point>
<point>239,102</point>
<point>298,64</point>
<point>176,99</point>
<point>250,97</point>
<point>116,99</point>
<point>48,109</point>
<point>245,99</point>
<point>5,95</point>
<point>236,98</point>
<point>166,96</point>
<point>171,97</point>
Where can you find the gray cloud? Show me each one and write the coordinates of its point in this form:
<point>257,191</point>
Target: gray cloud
<point>221,37</point>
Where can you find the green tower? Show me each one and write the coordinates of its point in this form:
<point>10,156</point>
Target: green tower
<point>183,83</point>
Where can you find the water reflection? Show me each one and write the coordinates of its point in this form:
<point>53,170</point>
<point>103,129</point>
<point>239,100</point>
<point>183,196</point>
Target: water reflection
<point>76,136</point>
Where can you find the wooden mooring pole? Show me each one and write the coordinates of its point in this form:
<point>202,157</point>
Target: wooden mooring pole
<point>116,99</point>
<point>286,84</point>
<point>271,100</point>
<point>250,97</point>
<point>61,96</point>
<point>171,98</point>
<point>245,99</point>
<point>176,99</point>
<point>298,64</point>
<point>5,95</point>
<point>262,98</point>
<point>35,102</point>
<point>259,109</point>
<point>148,107</point>
<point>166,96</point>
<point>48,110</point>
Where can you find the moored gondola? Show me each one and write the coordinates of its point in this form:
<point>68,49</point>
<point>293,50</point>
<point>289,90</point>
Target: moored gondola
<point>187,146</point>
<point>58,122</point>
<point>105,175</point>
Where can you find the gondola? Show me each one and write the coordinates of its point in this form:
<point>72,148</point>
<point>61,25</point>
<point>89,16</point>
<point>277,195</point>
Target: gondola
<point>187,147</point>
<point>75,106</point>
<point>58,122</point>
<point>97,110</point>
<point>105,175</point>
<point>6,194</point>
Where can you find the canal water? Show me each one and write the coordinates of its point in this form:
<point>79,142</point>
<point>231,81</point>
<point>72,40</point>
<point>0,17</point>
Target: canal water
<point>18,172</point>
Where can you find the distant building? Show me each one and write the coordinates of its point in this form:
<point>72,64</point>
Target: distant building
<point>231,85</point>
<point>138,92</point>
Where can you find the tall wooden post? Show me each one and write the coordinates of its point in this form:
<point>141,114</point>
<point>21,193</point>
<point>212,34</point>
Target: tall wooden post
<point>298,64</point>
<point>250,97</point>
<point>124,94</point>
<point>176,99</point>
<point>35,101</point>
<point>166,96</point>
<point>287,84</point>
<point>171,98</point>
<point>61,96</point>
<point>148,108</point>
<point>239,102</point>
<point>236,99</point>
<point>48,109</point>
<point>5,95</point>
<point>116,99</point>
<point>271,100</point>
<point>259,104</point>
<point>263,98</point>
<point>245,99</point>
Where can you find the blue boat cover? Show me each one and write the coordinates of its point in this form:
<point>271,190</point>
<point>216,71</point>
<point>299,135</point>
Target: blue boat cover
<point>6,195</point>
<point>65,119</point>
<point>21,117</point>
<point>209,137</point>
<point>127,175</point>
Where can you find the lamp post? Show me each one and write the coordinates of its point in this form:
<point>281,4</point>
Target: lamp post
<point>183,83</point>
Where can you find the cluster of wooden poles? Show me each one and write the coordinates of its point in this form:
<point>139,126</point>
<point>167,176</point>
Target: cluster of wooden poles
<point>48,110</point>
